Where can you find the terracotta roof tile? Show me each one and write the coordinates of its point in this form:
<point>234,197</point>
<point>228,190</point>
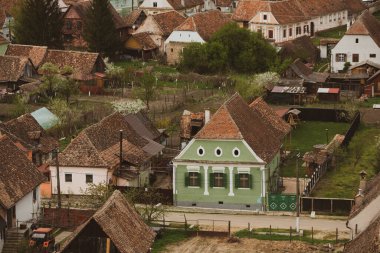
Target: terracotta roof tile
<point>27,130</point>
<point>36,54</point>
<point>12,68</point>
<point>18,175</point>
<point>167,21</point>
<point>366,24</point>
<point>205,23</point>
<point>133,16</point>
<point>121,223</point>
<point>236,120</point>
<point>145,41</point>
<point>300,47</point>
<point>223,3</point>
<point>278,125</point>
<point>185,4</point>
<point>306,73</point>
<point>83,63</point>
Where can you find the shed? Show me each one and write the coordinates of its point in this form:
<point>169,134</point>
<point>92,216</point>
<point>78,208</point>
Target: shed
<point>115,224</point>
<point>287,94</point>
<point>328,94</point>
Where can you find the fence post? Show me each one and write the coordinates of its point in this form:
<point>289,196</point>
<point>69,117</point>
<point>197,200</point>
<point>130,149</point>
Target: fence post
<point>336,239</point>
<point>290,234</point>
<point>249,226</point>
<point>312,234</point>
<point>229,228</point>
<point>270,232</point>
<point>356,229</point>
<point>213,225</point>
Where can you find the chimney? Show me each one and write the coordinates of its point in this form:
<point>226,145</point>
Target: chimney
<point>183,3</point>
<point>363,180</point>
<point>207,116</point>
<point>359,198</point>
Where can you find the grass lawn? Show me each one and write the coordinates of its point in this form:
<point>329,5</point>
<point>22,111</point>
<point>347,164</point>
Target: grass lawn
<point>304,137</point>
<point>169,237</point>
<point>334,33</point>
<point>361,154</point>
<point>370,101</point>
<point>377,15</point>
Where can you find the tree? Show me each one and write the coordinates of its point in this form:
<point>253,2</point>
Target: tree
<point>96,194</point>
<point>128,106</point>
<point>20,106</point>
<point>99,28</point>
<point>49,79</point>
<point>147,89</point>
<point>255,86</point>
<point>38,22</point>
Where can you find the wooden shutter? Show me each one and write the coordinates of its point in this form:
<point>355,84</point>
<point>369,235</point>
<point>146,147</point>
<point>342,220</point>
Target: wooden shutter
<point>225,180</point>
<point>199,183</point>
<point>250,178</point>
<point>237,180</point>
<point>211,179</point>
<point>186,179</point>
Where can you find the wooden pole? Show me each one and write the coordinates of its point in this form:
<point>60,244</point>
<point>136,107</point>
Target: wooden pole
<point>58,181</point>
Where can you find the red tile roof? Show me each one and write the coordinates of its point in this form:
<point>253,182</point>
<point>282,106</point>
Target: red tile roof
<point>12,68</point>
<point>36,54</point>
<point>235,120</point>
<point>145,41</point>
<point>185,4</point>
<point>167,21</point>
<point>205,23</point>
<point>18,175</point>
<point>366,24</point>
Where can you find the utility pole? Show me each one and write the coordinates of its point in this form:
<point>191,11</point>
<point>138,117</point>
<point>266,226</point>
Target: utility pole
<point>298,194</point>
<point>58,181</point>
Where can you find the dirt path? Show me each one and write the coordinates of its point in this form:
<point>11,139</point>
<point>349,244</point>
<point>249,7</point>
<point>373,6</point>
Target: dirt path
<point>220,245</point>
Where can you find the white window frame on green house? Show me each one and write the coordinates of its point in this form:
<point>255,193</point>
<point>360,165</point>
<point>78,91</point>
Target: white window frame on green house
<point>193,169</point>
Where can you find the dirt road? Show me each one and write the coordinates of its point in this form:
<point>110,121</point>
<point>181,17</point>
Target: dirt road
<point>220,245</point>
<point>260,221</point>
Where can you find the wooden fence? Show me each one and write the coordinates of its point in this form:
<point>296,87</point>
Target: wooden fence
<point>351,131</point>
<point>326,205</point>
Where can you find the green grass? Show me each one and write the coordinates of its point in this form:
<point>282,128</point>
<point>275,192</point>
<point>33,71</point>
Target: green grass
<point>334,33</point>
<point>370,101</point>
<point>3,48</point>
<point>140,64</point>
<point>276,237</point>
<point>362,154</point>
<point>169,237</point>
<point>304,137</point>
<point>321,65</point>
<point>377,15</point>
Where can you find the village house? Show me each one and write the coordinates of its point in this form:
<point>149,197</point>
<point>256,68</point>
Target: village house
<point>299,48</point>
<point>87,67</point>
<point>26,131</point>
<point>158,27</point>
<point>73,25</point>
<point>196,28</point>
<point>187,7</point>
<point>364,219</point>
<point>360,43</point>
<point>233,160</point>
<point>116,224</point>
<point>281,21</point>
<point>125,6</point>
<point>20,181</point>
<point>15,71</point>
<point>191,123</point>
<point>226,6</point>
<point>94,156</point>
<point>134,19</point>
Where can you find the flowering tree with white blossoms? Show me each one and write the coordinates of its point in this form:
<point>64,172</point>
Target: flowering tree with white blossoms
<point>125,106</point>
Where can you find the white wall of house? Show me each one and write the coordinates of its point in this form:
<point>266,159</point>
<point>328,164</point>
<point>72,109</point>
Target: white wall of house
<point>330,21</point>
<point>366,216</point>
<point>155,6</point>
<point>78,183</point>
<point>185,37</point>
<point>350,45</point>
<point>26,208</point>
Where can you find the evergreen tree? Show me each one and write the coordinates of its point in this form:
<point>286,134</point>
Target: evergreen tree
<point>38,22</point>
<point>99,28</point>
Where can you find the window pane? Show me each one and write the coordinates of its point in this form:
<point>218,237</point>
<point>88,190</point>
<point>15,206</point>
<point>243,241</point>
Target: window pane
<point>68,178</point>
<point>218,180</point>
<point>244,181</point>
<point>193,179</point>
<point>89,179</point>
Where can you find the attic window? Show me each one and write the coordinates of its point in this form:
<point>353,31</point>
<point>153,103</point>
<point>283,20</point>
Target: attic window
<point>154,4</point>
<point>218,152</point>
<point>236,152</point>
<point>356,40</point>
<point>201,151</point>
<point>372,55</point>
<point>265,17</point>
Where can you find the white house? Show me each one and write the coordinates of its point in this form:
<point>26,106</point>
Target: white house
<point>360,43</point>
<point>196,28</point>
<point>20,181</point>
<point>281,21</point>
<point>93,157</point>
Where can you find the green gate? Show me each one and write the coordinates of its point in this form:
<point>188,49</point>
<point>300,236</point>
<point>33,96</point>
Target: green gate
<point>279,202</point>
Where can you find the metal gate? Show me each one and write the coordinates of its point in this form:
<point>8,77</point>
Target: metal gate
<point>279,202</point>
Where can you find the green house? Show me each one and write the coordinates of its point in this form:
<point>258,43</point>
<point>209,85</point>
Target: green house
<point>232,163</point>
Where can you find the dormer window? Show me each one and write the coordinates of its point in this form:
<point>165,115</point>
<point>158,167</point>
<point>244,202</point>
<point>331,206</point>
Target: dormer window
<point>265,17</point>
<point>154,4</point>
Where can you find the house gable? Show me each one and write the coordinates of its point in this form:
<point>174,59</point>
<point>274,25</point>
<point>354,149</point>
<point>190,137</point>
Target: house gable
<point>149,26</point>
<point>245,154</point>
<point>264,18</point>
<point>156,4</point>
